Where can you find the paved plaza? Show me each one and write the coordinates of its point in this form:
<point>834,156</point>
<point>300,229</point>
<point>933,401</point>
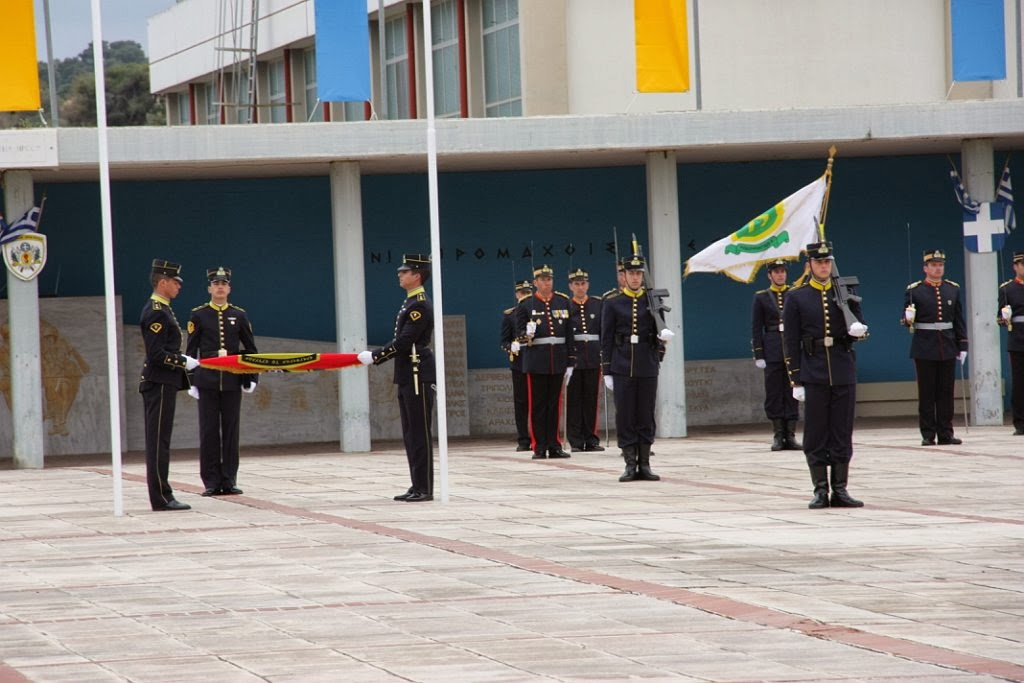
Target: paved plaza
<point>532,570</point>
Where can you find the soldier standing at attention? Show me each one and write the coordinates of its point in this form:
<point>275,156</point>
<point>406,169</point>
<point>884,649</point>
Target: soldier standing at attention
<point>766,341</point>
<point>520,398</point>
<point>542,323</point>
<point>414,374</point>
<point>1011,316</point>
<point>823,371</point>
<point>631,351</point>
<point>582,393</point>
<point>933,313</point>
<point>620,276</point>
<point>163,375</point>
<point>219,328</point>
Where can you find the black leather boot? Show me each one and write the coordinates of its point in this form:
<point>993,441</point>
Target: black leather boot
<point>644,464</point>
<point>840,498</point>
<point>789,442</point>
<point>779,441</point>
<point>629,454</point>
<point>819,477</point>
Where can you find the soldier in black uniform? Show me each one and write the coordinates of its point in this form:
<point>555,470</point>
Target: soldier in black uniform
<point>581,396</point>
<point>542,324</point>
<point>414,374</point>
<point>631,351</point>
<point>219,328</point>
<point>620,276</point>
<point>1011,316</point>
<point>163,375</point>
<point>766,341</point>
<point>933,313</point>
<point>509,344</point>
<point>823,371</point>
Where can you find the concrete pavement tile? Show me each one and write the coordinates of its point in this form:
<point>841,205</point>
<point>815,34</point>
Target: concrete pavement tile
<point>71,673</point>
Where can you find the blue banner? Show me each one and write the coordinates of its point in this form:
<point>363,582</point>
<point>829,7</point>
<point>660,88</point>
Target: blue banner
<point>342,51</point>
<point>979,40</point>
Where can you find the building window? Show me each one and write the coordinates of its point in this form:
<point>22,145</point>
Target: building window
<point>314,109</point>
<point>277,99</point>
<point>184,107</point>
<point>396,62</point>
<point>212,98</point>
<point>502,92</point>
<point>445,36</point>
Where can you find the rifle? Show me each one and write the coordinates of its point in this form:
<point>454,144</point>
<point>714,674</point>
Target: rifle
<point>844,295</point>
<point>655,297</point>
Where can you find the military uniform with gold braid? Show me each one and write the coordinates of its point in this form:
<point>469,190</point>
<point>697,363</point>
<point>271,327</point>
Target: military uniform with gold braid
<point>547,354</point>
<point>1011,316</point>
<point>163,375</point>
<point>631,356</point>
<point>766,342</point>
<point>415,376</point>
<point>511,346</point>
<point>821,360</point>
<point>933,313</point>
<point>219,330</point>
<point>583,392</point>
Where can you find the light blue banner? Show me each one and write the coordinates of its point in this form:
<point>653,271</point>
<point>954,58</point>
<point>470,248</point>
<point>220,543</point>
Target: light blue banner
<point>342,51</point>
<point>979,40</point>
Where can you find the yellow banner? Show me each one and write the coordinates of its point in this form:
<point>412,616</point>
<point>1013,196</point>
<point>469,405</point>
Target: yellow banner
<point>19,70</point>
<point>662,49</point>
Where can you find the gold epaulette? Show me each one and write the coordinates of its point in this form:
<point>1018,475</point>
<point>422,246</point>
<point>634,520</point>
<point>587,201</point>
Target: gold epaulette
<point>563,295</point>
<point>237,308</point>
<point>611,293</point>
<point>1007,282</point>
<point>157,306</point>
<point>955,284</point>
<point>913,284</point>
<point>760,291</point>
<point>421,296</point>
<point>508,311</point>
<point>199,307</point>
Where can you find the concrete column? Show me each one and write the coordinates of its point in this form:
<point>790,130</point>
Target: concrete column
<point>23,322</point>
<point>982,289</point>
<point>350,306</point>
<point>665,263</point>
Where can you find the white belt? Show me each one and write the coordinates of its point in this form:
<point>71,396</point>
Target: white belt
<point>1017,319</point>
<point>548,340</point>
<point>934,326</point>
<point>587,337</point>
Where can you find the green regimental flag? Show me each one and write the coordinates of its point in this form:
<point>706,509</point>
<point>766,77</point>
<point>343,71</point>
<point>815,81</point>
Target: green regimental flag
<point>780,232</point>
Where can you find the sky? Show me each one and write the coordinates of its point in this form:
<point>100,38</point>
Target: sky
<point>71,23</point>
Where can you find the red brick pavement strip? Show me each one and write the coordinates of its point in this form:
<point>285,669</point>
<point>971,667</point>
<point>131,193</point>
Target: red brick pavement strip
<point>9,675</point>
<point>724,607</point>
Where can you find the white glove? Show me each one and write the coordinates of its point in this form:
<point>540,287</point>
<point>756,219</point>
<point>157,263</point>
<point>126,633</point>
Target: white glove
<point>249,387</point>
<point>909,314</point>
<point>666,334</point>
<point>962,357</point>
<point>190,363</point>
<point>858,330</point>
<point>799,393</point>
<point>760,363</point>
<point>568,374</point>
<point>609,383</point>
<point>193,391</point>
<point>365,357</point>
<point>531,328</point>
<point>515,347</point>
<point>1006,312</point>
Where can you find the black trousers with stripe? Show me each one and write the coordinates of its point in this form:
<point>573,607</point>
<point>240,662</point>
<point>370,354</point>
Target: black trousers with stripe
<point>159,402</point>
<point>416,411</point>
<point>545,402</point>
<point>581,401</point>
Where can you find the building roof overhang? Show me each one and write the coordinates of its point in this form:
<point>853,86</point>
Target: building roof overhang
<point>543,142</point>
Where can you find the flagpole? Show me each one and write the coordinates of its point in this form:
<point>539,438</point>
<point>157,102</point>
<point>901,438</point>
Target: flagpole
<point>828,190</point>
<point>435,250</point>
<point>108,259</point>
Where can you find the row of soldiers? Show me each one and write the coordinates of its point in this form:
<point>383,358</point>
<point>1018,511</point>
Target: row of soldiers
<point>798,361</point>
<point>579,342</point>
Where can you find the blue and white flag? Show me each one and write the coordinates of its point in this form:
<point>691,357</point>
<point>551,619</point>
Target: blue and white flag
<point>970,205</point>
<point>1004,196</point>
<point>985,231</point>
<point>26,224</point>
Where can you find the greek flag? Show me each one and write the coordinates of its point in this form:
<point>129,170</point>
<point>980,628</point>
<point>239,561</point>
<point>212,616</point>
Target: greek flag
<point>27,223</point>
<point>966,201</point>
<point>1004,195</point>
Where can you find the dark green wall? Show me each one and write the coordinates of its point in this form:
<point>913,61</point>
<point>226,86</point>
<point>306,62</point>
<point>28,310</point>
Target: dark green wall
<point>276,235</point>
